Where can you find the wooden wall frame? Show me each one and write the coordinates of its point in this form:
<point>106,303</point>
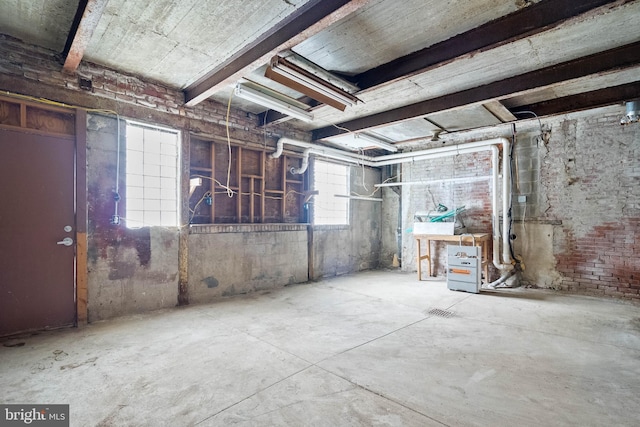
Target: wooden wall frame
<point>265,190</point>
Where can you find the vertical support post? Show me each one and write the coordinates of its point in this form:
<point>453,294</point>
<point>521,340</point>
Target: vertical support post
<point>82,278</point>
<point>23,115</point>
<point>283,205</point>
<point>252,207</point>
<point>183,236</point>
<point>308,184</point>
<point>213,182</point>
<point>239,179</point>
<point>263,185</point>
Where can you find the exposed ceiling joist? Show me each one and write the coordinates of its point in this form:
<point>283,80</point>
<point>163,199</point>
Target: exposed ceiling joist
<point>85,22</point>
<point>607,61</point>
<point>584,101</point>
<point>500,111</point>
<point>311,18</point>
<point>523,23</point>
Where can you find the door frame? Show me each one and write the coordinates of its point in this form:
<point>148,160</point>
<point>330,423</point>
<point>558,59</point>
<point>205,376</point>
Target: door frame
<point>82,279</point>
<point>19,122</point>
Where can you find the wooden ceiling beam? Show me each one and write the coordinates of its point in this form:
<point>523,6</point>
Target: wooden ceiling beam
<point>583,101</point>
<point>86,20</point>
<point>603,62</point>
<point>525,22</point>
<point>308,20</point>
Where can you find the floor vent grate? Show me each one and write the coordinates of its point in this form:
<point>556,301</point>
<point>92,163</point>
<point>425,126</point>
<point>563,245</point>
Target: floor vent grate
<point>440,312</point>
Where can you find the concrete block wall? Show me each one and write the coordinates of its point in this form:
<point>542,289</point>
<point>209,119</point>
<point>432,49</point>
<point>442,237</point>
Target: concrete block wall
<point>223,264</point>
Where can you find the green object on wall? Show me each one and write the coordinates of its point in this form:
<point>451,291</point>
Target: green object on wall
<point>449,214</point>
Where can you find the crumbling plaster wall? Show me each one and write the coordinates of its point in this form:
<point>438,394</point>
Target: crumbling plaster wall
<point>137,270</point>
<point>129,270</point>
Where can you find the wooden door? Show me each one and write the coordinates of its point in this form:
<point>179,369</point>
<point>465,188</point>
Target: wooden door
<point>37,279</point>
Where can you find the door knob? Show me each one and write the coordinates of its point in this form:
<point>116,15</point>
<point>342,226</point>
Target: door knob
<point>67,241</point>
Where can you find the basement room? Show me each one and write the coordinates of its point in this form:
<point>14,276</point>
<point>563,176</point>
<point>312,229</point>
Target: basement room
<point>320,213</point>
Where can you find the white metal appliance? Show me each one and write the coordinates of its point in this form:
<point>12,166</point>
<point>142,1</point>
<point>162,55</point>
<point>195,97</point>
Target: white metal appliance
<point>464,268</point>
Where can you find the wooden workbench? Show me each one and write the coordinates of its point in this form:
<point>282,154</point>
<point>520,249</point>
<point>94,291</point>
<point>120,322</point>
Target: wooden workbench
<point>482,241</point>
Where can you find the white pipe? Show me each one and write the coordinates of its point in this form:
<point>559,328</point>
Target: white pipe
<point>305,163</point>
<point>421,155</point>
<point>503,278</point>
<point>328,152</point>
<point>444,149</point>
<point>505,264</point>
<point>506,202</point>
<point>435,181</point>
<point>495,223</point>
<point>371,199</point>
<point>279,148</point>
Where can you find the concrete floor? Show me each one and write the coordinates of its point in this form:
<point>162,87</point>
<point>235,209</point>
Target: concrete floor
<point>362,350</point>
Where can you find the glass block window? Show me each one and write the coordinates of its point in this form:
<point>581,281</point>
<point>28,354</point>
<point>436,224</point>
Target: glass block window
<point>330,179</point>
<point>151,176</point>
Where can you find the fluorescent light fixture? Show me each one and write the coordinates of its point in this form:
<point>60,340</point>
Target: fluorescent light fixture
<point>377,142</point>
<point>303,81</point>
<point>318,71</point>
<point>245,92</point>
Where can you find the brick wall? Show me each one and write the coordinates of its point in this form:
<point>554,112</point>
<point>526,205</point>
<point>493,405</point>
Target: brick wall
<point>577,230</point>
<point>605,261</point>
<point>422,196</point>
<point>35,71</point>
<point>591,178</point>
